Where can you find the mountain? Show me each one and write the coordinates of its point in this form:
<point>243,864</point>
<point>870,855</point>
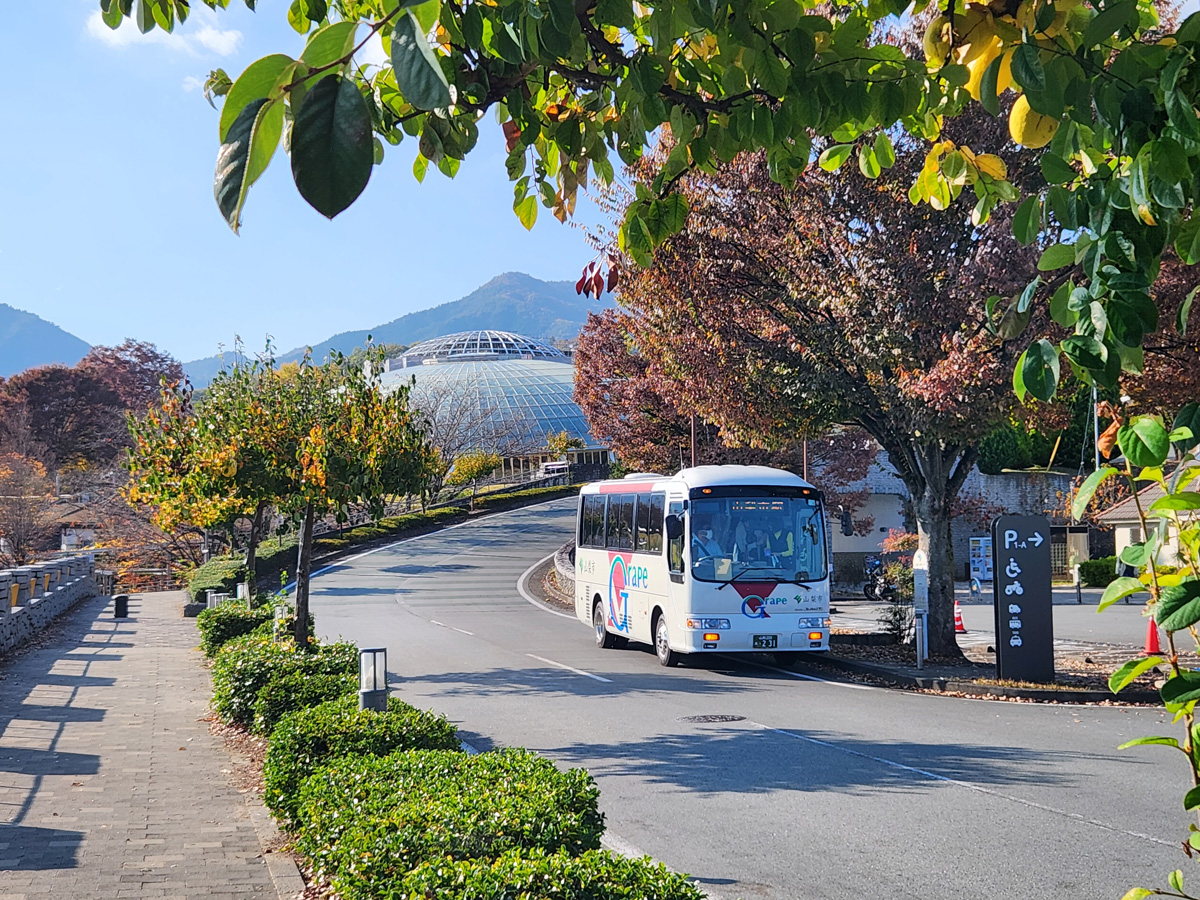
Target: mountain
<point>27,341</point>
<point>509,302</point>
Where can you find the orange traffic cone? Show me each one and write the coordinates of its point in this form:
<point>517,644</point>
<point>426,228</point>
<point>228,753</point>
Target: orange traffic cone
<point>959,627</point>
<point>1152,647</point>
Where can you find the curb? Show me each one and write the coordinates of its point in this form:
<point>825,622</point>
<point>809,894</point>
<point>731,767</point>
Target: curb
<point>945,685</point>
<point>283,869</point>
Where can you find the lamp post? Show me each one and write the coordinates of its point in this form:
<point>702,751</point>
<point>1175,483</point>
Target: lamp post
<point>280,618</point>
<point>372,678</point>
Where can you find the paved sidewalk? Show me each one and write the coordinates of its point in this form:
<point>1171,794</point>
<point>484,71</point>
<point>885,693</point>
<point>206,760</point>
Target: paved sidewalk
<point>111,785</point>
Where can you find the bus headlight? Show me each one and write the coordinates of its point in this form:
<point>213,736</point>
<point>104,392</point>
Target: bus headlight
<point>708,624</point>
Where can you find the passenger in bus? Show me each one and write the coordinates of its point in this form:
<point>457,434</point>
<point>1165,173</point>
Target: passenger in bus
<point>780,541</point>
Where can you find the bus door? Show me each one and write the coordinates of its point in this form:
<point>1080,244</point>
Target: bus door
<point>677,581</point>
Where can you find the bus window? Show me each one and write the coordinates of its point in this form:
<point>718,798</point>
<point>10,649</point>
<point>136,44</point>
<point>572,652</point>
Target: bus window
<point>593,521</point>
<point>642,540</point>
<point>612,505</point>
<point>675,547</point>
<point>625,522</point>
<point>654,529</point>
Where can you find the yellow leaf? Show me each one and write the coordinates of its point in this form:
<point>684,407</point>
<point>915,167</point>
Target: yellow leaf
<point>990,164</point>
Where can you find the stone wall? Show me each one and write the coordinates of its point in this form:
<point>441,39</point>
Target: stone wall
<point>31,597</point>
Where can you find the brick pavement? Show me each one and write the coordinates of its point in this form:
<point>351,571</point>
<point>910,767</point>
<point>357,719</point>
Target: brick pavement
<point>111,785</point>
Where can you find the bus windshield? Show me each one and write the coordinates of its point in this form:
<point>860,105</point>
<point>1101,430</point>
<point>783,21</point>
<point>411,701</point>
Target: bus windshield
<point>758,539</point>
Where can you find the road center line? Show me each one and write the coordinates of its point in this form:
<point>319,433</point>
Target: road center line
<point>551,662</point>
<point>978,788</point>
<point>451,627</point>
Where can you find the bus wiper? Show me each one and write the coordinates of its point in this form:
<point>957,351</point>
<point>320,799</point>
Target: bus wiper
<point>734,577</point>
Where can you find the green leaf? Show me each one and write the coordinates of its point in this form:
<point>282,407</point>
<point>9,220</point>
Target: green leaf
<point>1190,801</point>
<point>1060,309</point>
<point>1118,590</point>
<point>1137,893</point>
<point>1086,490</point>
<point>329,43</point>
<point>1027,68</point>
<point>526,211</point>
<point>1180,502</point>
<point>1108,22</point>
<point>418,74</point>
<point>832,158</point>
<point>332,155</point>
<point>1124,676</point>
<point>1056,256</point>
<point>1179,606</point>
<point>1187,417</point>
<point>1187,242</point>
<point>1037,371</point>
<point>1144,442</point>
<point>867,163</point>
<point>1181,688</point>
<point>1175,879</point>
<point>1027,221</point>
<point>987,86</point>
<point>1185,310</point>
<point>254,83</point>
<point>884,152</point>
<point>1150,741</point>
<point>145,16</point>
<point>1057,170</point>
<point>245,154</point>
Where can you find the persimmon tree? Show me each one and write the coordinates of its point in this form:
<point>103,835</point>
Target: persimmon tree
<point>779,312</point>
<point>26,528</point>
<point>1102,87</point>
<point>471,467</point>
<point>311,441</point>
<point>645,418</point>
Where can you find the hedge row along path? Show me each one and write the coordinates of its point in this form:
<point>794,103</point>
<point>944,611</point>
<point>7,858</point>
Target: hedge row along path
<point>111,784</point>
<point>820,787</point>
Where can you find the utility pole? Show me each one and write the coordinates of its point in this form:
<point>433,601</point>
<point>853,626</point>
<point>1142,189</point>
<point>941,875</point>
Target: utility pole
<point>693,440</point>
<point>806,459</point>
<point>1096,428</point>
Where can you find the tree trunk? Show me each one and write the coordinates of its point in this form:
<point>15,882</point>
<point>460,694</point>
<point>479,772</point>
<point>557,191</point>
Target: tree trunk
<point>932,510</point>
<point>303,564</point>
<point>252,553</point>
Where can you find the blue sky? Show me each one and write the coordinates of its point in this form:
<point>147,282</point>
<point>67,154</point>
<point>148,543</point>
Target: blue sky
<point>108,225</point>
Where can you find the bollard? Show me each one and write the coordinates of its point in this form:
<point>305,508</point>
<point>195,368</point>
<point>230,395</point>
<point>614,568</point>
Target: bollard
<point>121,606</point>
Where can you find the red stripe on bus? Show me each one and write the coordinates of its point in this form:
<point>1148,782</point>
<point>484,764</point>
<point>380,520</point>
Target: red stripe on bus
<point>631,487</point>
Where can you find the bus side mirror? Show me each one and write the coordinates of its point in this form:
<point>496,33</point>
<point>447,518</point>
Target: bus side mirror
<point>847,522</point>
<point>674,527</point>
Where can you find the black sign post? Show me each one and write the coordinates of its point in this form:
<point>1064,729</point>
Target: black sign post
<point>1023,600</point>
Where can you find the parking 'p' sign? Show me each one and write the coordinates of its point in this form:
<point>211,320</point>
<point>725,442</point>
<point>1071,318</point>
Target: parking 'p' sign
<point>1024,602</point>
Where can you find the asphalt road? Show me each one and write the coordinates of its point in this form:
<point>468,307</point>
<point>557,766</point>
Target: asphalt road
<point>818,790</point>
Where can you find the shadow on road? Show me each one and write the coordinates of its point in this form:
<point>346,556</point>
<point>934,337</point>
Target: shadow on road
<point>753,760</point>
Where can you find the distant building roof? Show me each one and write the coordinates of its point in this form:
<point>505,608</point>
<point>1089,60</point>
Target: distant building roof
<point>1126,512</point>
<point>478,345</point>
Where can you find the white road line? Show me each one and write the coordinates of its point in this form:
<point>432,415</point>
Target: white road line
<point>451,627</point>
<point>551,662</point>
<point>523,590</point>
<point>841,684</point>
<point>978,788</point>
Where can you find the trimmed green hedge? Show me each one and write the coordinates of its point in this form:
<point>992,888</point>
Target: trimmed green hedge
<point>366,821</point>
<point>596,875</point>
<point>309,738</point>
<point>296,691</point>
<point>226,622</point>
<point>245,665</point>
<point>495,502</point>
<point>1097,573</point>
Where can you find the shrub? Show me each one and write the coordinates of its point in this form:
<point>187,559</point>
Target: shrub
<point>245,665</point>
<point>1097,573</point>
<point>226,622</point>
<point>596,875</point>
<point>298,690</point>
<point>367,820</point>
<point>519,498</point>
<point>307,739</point>
<point>330,544</point>
<point>221,574</point>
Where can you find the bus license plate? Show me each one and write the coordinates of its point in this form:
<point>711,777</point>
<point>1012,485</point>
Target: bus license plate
<point>765,641</point>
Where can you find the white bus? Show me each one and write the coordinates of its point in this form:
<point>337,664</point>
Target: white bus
<point>721,559</point>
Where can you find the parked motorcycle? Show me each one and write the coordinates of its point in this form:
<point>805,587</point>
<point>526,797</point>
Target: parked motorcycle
<point>876,585</point>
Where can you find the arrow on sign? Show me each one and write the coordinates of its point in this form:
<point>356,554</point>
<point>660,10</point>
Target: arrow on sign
<point>1036,539</point>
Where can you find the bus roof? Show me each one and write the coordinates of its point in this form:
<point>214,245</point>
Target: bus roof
<point>701,477</point>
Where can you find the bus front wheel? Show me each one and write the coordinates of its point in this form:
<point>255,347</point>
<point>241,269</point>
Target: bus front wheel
<point>662,645</point>
<point>604,640</point>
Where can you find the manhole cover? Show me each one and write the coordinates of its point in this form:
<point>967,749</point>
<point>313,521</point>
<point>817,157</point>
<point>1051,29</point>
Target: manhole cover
<point>705,719</point>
